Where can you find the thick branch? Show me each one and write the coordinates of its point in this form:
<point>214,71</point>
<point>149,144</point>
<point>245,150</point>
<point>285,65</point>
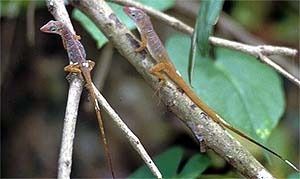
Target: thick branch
<point>256,51</point>
<point>214,135</point>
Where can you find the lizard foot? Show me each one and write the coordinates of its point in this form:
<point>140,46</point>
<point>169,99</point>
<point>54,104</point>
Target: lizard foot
<point>140,48</point>
<point>143,45</point>
<point>72,68</point>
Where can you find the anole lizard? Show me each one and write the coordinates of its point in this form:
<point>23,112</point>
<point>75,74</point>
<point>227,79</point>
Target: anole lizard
<point>77,56</point>
<point>164,66</point>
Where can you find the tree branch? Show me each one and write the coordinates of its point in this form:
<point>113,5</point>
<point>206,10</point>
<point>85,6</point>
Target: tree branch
<point>256,51</point>
<point>68,134</point>
<point>58,10</point>
<point>214,135</point>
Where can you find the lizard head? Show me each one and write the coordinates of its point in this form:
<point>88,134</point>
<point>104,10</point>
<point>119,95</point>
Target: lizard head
<point>54,27</point>
<point>135,14</point>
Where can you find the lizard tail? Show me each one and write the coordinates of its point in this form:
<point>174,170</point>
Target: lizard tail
<point>104,139</point>
<point>89,86</point>
<point>218,119</point>
<point>259,144</point>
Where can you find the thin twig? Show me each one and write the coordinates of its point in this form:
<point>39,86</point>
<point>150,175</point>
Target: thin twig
<point>229,25</point>
<point>68,134</point>
<point>30,23</point>
<point>279,68</point>
<point>173,22</point>
<point>134,141</point>
<point>103,65</point>
<point>255,51</point>
<point>214,135</point>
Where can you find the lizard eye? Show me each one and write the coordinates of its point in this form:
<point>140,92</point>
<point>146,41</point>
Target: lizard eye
<point>53,28</point>
<point>133,14</point>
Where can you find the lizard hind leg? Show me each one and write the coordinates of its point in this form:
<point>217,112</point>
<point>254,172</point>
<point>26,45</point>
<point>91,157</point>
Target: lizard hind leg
<point>156,70</point>
<point>72,68</point>
<point>91,64</point>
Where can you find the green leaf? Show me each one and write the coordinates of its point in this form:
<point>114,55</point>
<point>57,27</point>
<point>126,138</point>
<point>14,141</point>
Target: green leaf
<point>294,176</point>
<point>245,92</point>
<point>159,4</point>
<point>208,15</point>
<point>90,27</point>
<point>192,57</point>
<point>195,166</point>
<point>98,36</point>
<point>167,163</point>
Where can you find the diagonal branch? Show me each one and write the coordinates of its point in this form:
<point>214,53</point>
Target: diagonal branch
<point>134,141</point>
<point>256,51</point>
<point>214,135</point>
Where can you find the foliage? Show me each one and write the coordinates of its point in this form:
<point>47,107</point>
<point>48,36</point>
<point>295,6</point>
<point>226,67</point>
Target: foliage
<point>169,161</point>
<point>98,36</point>
<point>13,8</point>
<point>247,93</point>
<point>294,176</point>
<point>208,16</point>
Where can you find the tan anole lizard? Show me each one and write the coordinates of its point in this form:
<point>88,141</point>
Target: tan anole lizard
<point>164,66</point>
<point>77,56</point>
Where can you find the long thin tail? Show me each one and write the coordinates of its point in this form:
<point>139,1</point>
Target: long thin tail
<point>89,86</point>
<point>259,144</point>
<point>218,119</point>
<point>104,140</point>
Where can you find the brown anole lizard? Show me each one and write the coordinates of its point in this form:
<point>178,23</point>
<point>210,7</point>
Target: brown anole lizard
<point>164,66</point>
<point>79,64</point>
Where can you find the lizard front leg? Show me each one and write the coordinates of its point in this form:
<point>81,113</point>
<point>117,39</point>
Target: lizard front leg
<point>143,44</point>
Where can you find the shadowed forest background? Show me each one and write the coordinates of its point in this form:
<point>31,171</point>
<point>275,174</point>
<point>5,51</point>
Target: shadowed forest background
<point>34,92</point>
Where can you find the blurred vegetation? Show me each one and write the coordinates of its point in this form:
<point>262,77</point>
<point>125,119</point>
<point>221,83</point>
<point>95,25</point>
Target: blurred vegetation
<point>34,92</point>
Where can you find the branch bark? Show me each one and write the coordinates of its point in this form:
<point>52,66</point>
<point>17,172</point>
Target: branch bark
<point>214,135</point>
